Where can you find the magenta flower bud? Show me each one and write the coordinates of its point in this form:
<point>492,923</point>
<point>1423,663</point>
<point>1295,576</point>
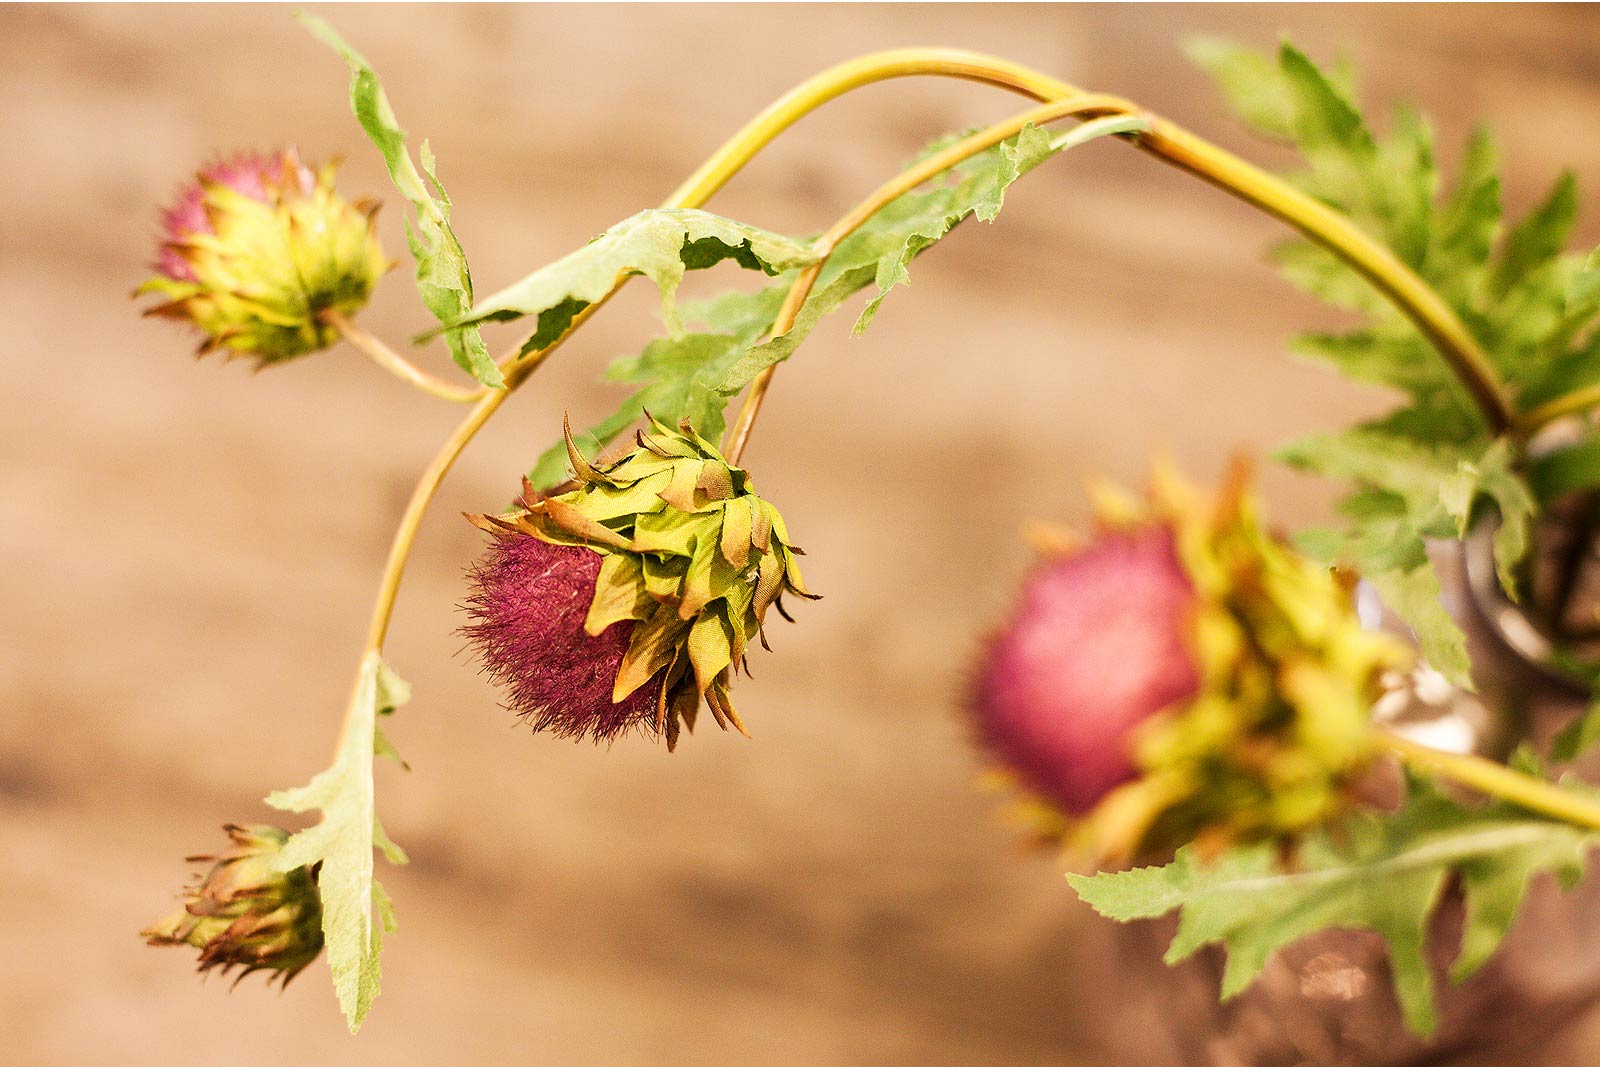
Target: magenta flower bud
<point>247,173</point>
<point>1096,645</point>
<point>528,604</point>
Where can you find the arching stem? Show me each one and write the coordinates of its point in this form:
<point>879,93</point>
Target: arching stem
<point>694,192</point>
<point>1573,403</point>
<point>1337,233</point>
<point>1100,108</point>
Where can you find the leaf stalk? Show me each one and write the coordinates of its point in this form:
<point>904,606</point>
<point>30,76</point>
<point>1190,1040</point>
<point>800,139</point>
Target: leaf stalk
<point>1495,779</point>
<point>377,350</point>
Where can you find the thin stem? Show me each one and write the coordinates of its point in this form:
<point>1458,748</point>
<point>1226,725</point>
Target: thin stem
<point>853,74</point>
<point>1338,234</point>
<point>1087,105</point>
<point>518,370</point>
<point>705,181</point>
<point>1496,780</point>
<point>1573,403</point>
<point>396,364</point>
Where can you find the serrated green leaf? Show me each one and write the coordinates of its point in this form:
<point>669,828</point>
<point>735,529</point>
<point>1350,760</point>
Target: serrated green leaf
<point>1533,309</point>
<point>678,377</point>
<point>659,243</point>
<point>342,842</point>
<point>443,279</point>
<point>1404,361</point>
<point>912,223</point>
<point>1381,875</point>
<point>693,375</point>
<point>1540,237</point>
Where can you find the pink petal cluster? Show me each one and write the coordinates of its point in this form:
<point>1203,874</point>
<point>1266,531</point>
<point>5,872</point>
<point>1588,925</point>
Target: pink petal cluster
<point>528,603</point>
<point>1097,644</point>
<point>248,173</point>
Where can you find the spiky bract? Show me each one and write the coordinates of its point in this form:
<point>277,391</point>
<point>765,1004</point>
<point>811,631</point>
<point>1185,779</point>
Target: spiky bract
<point>689,562</point>
<point>242,913</point>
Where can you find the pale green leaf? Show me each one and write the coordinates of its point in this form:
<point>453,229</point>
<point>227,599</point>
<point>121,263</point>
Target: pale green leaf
<point>659,243</point>
<point>443,279</point>
<point>343,841</point>
<point>693,375</point>
<point>1381,875</point>
<point>1540,237</point>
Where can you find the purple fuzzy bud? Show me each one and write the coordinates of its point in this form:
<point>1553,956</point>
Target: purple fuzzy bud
<point>248,174</point>
<point>1098,643</point>
<point>528,604</point>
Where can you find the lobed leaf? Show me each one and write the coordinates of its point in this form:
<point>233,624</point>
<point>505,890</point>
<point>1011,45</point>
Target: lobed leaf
<point>1385,875</point>
<point>694,375</point>
<point>661,244</point>
<point>342,842</point>
<point>1533,308</point>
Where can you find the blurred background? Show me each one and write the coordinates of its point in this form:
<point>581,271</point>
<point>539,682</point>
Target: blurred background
<point>191,549</point>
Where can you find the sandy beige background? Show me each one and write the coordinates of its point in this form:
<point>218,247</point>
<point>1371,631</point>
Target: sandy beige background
<point>190,549</point>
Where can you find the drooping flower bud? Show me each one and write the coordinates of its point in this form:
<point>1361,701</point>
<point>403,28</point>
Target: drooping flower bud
<point>1181,676</point>
<point>258,250</point>
<point>242,913</point>
<point>627,601</point>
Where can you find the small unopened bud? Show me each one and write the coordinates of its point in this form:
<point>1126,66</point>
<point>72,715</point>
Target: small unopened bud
<point>242,913</point>
<point>259,250</point>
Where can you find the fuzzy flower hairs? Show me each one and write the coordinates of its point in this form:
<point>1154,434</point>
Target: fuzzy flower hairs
<point>628,601</point>
<point>1180,676</point>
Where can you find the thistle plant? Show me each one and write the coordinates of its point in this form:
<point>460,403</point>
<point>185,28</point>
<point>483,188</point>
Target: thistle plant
<point>633,598</point>
<point>1182,686</point>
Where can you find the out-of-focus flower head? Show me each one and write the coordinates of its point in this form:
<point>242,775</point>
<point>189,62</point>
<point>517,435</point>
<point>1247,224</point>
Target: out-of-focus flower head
<point>258,250</point>
<point>1180,676</point>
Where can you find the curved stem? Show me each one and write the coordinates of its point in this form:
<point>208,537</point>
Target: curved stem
<point>1339,235</point>
<point>1417,300</point>
<point>705,181</point>
<point>1496,780</point>
<point>1087,105</point>
<point>405,535</point>
<point>396,364</point>
<point>1573,403</point>
<point>853,74</point>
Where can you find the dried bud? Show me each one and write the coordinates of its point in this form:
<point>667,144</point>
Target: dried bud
<point>1182,676</point>
<point>244,913</point>
<point>258,250</point>
<point>630,599</point>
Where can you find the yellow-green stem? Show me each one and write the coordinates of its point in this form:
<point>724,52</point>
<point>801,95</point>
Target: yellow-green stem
<point>1494,779</point>
<point>380,353</point>
<point>1573,403</point>
<point>705,181</point>
<point>1414,297</point>
<point>1086,105</point>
